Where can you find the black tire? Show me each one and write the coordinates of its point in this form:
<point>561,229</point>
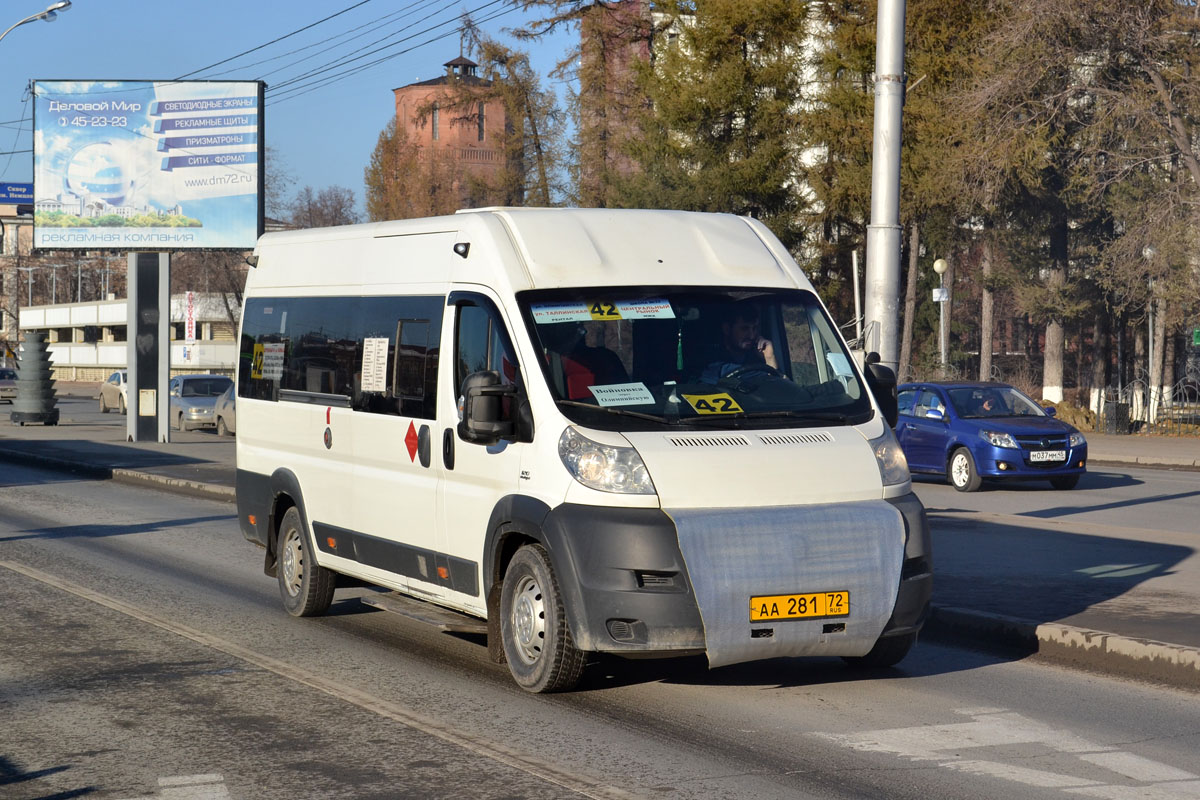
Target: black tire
<point>221,429</point>
<point>1065,482</point>
<point>886,652</point>
<point>306,587</point>
<point>121,404</point>
<point>961,471</point>
<point>541,654</point>
<point>103,405</point>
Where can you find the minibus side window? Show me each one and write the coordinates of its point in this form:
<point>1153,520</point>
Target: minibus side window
<point>315,348</point>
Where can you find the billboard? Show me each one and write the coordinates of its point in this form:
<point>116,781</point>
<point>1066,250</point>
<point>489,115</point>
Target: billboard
<point>147,165</point>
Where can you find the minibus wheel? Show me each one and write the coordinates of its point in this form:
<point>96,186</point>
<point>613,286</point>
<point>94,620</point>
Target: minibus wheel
<point>533,625</point>
<point>306,587</point>
<point>886,652</point>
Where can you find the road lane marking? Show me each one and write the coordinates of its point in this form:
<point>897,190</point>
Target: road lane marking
<point>190,787</point>
<point>997,727</point>
<point>496,751</point>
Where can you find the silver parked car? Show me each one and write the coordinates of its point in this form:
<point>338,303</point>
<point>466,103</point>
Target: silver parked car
<point>193,398</point>
<point>114,392</point>
<point>225,412</point>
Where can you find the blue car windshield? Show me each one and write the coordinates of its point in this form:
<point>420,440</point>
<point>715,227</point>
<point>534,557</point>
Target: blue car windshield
<point>977,402</point>
<point>695,357</point>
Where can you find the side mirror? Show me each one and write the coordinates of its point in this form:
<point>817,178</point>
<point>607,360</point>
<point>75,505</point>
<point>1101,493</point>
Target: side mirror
<point>482,400</point>
<point>881,381</point>
<point>934,413</point>
<point>1050,411</point>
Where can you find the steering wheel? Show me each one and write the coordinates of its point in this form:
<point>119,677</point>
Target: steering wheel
<point>748,369</point>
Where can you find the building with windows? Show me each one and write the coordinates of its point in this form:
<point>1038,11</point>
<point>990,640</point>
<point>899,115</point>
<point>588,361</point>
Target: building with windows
<point>450,116</point>
<point>88,341</point>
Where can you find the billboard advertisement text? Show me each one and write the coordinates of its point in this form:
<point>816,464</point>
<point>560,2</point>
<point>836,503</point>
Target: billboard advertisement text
<point>147,165</point>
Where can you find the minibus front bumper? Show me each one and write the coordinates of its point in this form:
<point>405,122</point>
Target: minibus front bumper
<point>627,589</point>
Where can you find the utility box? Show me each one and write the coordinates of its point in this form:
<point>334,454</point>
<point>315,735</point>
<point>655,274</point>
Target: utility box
<point>1116,418</point>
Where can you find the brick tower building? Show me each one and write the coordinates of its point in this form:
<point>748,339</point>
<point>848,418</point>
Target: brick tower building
<point>439,117</point>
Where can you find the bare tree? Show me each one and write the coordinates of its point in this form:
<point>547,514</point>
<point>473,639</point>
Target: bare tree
<point>332,205</point>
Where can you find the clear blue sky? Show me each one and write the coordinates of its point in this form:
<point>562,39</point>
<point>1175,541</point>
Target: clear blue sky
<point>323,131</point>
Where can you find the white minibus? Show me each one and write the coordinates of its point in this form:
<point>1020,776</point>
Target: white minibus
<point>579,431</point>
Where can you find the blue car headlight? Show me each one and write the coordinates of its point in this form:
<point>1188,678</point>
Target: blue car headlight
<point>998,439</point>
<point>1077,439</point>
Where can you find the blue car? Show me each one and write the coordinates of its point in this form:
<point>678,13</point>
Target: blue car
<point>973,431</point>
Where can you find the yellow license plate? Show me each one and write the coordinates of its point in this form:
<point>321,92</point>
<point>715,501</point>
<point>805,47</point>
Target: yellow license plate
<point>767,608</point>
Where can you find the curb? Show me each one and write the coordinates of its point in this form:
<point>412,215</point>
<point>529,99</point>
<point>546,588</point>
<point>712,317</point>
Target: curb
<point>1147,461</point>
<point>1172,664</point>
<point>209,491</point>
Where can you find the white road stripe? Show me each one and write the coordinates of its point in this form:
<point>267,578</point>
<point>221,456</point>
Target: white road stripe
<point>533,765</point>
<point>993,727</point>
<point>1137,768</point>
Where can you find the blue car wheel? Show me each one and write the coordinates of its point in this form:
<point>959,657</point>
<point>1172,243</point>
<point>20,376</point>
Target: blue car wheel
<point>963,473</point>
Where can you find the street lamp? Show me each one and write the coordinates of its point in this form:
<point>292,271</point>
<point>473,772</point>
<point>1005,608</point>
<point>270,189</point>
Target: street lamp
<point>29,271</point>
<point>940,296</point>
<point>50,14</point>
<point>54,282</point>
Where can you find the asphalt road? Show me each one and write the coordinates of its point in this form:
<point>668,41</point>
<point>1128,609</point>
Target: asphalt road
<point>144,654</point>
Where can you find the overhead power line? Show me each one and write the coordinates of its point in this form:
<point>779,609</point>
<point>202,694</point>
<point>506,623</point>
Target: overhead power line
<point>279,39</point>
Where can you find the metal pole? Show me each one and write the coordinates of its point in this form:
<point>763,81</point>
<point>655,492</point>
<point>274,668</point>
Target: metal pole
<point>942,330</point>
<point>883,234</point>
<point>858,320</point>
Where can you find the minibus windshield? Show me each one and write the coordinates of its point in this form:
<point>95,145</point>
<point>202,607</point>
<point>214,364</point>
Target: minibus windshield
<point>699,358</point>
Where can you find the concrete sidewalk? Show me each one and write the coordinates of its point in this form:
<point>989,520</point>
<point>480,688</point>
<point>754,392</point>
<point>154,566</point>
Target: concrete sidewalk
<point>976,600</point>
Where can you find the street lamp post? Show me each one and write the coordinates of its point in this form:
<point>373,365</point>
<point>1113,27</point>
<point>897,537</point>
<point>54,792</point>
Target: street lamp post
<point>940,296</point>
<point>50,14</point>
<point>54,282</point>
<point>29,271</point>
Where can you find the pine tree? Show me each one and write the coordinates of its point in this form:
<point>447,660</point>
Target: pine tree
<point>720,130</point>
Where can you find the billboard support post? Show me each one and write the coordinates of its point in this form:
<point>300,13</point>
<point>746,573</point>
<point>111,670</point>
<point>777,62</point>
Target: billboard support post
<point>149,347</point>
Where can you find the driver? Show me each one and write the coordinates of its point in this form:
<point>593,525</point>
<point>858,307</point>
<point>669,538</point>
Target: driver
<point>741,345</point>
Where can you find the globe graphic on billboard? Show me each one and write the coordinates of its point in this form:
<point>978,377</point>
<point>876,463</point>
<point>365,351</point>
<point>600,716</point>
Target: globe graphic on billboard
<point>98,170</point>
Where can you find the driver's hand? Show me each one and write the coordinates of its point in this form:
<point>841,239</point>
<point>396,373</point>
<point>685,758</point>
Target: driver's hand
<point>768,352</point>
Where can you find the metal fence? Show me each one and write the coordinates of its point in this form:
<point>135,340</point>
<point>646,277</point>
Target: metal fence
<point>1141,408</point>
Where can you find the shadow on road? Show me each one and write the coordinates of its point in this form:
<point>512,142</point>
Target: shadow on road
<point>11,773</point>
<point>93,531</point>
<point>1052,575</point>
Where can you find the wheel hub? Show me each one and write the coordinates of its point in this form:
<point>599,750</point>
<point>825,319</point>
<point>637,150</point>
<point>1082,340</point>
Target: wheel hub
<point>528,620</point>
<point>290,563</point>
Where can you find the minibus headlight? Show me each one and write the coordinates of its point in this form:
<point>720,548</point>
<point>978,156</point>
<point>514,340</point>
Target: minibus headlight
<point>893,466</point>
<point>602,466</point>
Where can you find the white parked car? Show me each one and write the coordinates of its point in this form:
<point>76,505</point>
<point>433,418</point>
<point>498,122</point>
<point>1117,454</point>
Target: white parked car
<point>114,392</point>
<point>193,398</point>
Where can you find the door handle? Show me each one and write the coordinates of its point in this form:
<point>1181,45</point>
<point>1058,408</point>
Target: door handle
<point>423,447</point>
<point>448,448</point>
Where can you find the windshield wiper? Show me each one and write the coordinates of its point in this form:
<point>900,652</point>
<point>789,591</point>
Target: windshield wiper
<point>789,413</point>
<point>618,411</point>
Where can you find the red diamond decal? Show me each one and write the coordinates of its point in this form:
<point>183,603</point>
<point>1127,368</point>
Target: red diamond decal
<point>411,441</point>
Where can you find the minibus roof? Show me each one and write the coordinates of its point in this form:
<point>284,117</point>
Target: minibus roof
<point>548,248</point>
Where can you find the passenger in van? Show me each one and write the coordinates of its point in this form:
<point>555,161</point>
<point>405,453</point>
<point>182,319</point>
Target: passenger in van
<point>574,366</point>
<point>741,345</point>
